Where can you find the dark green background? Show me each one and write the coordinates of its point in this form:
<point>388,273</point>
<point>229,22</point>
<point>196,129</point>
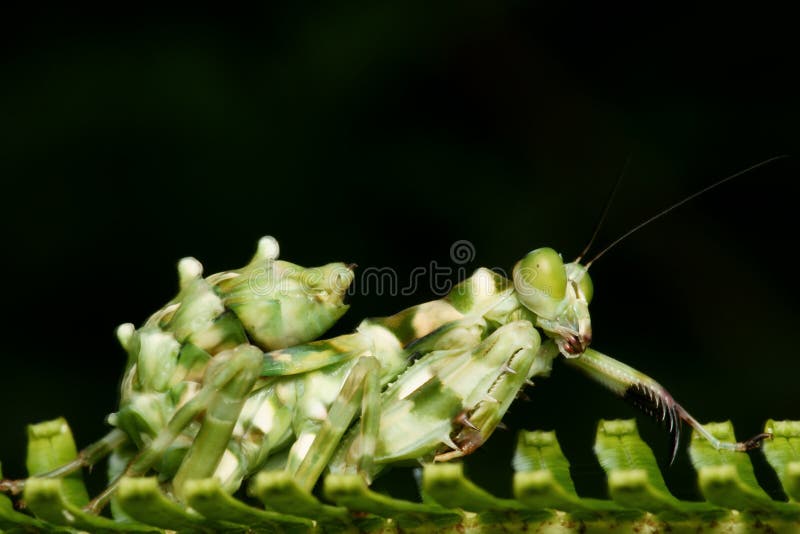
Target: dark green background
<point>380,134</point>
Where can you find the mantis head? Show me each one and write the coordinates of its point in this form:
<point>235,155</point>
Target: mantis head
<point>559,295</point>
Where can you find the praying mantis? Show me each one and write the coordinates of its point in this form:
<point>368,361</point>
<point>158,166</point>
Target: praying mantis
<point>228,379</point>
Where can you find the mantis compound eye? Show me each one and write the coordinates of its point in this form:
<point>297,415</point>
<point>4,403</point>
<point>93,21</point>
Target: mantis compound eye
<point>541,281</point>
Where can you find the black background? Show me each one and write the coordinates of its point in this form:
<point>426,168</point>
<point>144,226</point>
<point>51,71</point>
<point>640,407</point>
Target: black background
<point>382,133</point>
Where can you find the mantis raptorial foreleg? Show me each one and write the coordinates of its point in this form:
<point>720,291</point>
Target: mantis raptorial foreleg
<point>458,374</point>
<point>511,350</point>
<point>477,426</point>
<point>362,383</point>
<point>651,397</point>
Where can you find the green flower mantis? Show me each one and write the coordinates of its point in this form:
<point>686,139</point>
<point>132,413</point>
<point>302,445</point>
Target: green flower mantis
<point>226,381</point>
<point>222,382</point>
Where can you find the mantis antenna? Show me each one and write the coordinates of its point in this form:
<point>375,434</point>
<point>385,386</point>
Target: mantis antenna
<point>606,209</point>
<point>681,203</point>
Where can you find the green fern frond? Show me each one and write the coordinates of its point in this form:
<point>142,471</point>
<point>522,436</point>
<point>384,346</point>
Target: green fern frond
<point>545,499</point>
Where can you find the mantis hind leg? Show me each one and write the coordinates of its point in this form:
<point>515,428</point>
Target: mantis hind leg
<point>86,458</point>
<point>648,395</point>
<point>227,381</point>
<point>312,452</point>
<point>222,413</point>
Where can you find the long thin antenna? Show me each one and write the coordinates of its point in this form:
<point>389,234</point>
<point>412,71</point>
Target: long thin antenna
<point>682,202</point>
<point>605,210</point>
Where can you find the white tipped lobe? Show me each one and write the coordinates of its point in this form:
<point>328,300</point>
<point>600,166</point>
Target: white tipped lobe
<point>189,269</point>
<point>125,333</point>
<point>268,248</point>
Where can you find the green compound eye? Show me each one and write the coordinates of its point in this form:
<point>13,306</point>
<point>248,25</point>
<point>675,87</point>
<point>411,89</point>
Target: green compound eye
<point>543,270</point>
<point>541,281</point>
<point>580,275</point>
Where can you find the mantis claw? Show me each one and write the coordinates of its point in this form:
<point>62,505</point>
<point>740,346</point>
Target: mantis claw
<point>13,487</point>
<point>755,441</point>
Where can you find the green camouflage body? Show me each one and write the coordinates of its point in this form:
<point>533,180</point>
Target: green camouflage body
<point>438,361</point>
<point>226,381</point>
